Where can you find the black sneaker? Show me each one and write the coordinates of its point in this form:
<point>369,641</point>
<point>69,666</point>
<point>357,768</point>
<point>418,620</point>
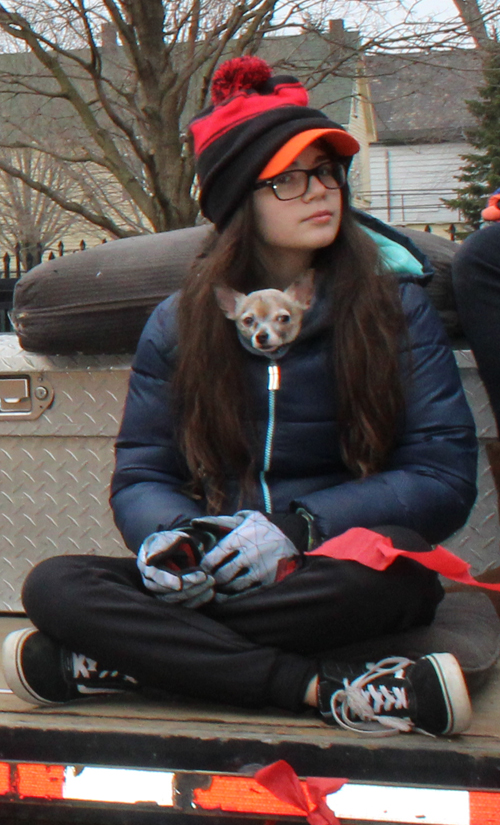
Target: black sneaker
<point>396,695</point>
<point>41,671</point>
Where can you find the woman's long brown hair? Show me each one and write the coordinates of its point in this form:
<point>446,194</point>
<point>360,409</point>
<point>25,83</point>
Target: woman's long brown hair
<point>367,324</point>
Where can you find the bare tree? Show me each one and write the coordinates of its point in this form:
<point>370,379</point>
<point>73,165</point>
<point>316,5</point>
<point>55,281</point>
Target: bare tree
<point>32,222</point>
<point>105,89</point>
<point>126,105</point>
<point>476,21</point>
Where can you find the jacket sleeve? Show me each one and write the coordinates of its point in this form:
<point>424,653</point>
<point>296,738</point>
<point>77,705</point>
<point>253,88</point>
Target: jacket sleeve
<point>146,489</point>
<point>430,482</point>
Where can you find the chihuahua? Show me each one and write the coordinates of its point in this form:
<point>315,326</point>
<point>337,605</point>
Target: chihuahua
<point>268,318</point>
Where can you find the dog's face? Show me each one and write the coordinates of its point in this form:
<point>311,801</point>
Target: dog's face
<point>268,318</point>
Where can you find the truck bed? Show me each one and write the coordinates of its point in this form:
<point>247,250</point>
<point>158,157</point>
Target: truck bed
<point>187,748</point>
<point>161,732</point>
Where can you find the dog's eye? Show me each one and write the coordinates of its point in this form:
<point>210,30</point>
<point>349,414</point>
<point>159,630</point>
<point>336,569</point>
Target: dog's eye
<point>283,319</point>
<point>247,321</point>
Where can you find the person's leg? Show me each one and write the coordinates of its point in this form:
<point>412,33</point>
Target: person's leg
<point>476,283</point>
<point>98,606</point>
<point>329,604</point>
<point>250,650</point>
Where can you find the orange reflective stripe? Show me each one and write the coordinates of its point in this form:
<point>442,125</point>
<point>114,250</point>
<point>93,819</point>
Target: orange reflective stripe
<point>484,808</point>
<point>4,778</point>
<point>45,781</point>
<point>243,795</point>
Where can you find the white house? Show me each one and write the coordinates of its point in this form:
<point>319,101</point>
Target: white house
<point>421,121</point>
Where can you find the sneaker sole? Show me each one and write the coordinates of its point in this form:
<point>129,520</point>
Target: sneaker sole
<point>454,690</point>
<point>11,662</point>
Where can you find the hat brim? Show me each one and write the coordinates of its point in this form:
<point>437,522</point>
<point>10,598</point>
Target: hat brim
<point>343,143</point>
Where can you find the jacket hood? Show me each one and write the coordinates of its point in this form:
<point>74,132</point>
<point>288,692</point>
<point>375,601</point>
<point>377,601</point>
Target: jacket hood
<point>400,255</point>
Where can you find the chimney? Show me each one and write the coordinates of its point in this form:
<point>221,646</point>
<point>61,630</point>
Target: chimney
<point>336,30</point>
<point>108,36</point>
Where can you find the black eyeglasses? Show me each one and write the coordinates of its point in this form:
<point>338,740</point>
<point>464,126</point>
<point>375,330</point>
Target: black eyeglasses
<point>295,182</point>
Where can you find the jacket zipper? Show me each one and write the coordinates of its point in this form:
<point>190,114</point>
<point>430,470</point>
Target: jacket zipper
<point>273,385</point>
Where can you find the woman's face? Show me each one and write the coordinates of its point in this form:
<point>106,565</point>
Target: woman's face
<point>303,224</point>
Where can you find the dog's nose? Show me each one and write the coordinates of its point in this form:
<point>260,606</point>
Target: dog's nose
<point>262,338</point>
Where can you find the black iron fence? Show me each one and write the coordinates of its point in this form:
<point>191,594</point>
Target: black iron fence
<point>22,260</point>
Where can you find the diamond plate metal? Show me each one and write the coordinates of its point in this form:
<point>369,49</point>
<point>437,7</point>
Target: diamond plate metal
<point>53,501</point>
<point>85,404</point>
<point>479,541</point>
<point>476,394</point>
<point>55,471</point>
<point>89,391</point>
<point>14,359</point>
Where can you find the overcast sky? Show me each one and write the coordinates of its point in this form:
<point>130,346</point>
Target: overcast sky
<point>373,15</point>
<point>396,10</point>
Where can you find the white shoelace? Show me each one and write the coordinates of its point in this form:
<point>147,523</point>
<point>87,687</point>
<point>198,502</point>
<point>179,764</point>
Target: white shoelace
<point>365,700</point>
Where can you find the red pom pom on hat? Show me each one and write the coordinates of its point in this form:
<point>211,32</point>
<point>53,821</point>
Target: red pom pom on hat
<point>240,73</point>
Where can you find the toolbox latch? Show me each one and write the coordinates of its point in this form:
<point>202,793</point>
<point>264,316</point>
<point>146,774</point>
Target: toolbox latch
<point>24,396</point>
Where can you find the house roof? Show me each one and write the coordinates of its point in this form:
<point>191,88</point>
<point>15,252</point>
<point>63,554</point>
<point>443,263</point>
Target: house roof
<point>423,98</point>
<point>326,65</point>
<point>25,99</point>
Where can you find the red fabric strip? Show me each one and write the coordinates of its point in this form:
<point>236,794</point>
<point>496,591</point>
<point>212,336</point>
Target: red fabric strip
<point>283,782</point>
<point>378,552</point>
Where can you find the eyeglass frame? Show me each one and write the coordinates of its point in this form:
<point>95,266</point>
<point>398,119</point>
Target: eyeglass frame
<point>311,173</point>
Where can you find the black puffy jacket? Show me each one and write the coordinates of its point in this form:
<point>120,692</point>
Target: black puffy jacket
<point>429,484</point>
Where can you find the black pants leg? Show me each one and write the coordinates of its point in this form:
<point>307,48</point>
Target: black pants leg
<point>476,283</point>
<point>255,650</point>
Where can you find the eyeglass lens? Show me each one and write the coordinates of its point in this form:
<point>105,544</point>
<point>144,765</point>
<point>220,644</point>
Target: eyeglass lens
<point>295,182</point>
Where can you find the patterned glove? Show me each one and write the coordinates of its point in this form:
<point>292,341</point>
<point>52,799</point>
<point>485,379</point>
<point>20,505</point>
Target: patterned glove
<point>254,553</point>
<point>168,562</point>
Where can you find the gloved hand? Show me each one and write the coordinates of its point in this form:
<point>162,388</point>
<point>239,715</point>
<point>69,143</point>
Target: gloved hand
<point>254,553</point>
<point>299,527</point>
<point>168,562</point>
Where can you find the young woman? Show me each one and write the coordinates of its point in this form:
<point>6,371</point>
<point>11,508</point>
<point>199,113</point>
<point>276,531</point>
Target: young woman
<point>232,465</point>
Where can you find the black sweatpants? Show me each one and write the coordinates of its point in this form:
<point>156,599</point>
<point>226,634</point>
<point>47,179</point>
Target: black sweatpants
<point>476,283</point>
<point>254,650</point>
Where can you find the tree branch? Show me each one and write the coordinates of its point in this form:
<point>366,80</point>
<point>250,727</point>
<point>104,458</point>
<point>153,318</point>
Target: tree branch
<point>64,203</point>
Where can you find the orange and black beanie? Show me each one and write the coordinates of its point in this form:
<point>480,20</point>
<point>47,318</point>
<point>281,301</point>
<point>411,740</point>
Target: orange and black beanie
<point>252,115</point>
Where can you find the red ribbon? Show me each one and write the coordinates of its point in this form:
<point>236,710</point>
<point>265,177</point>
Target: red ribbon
<point>378,552</point>
<point>282,781</point>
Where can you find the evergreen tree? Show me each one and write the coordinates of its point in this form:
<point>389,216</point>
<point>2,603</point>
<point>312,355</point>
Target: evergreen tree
<point>480,175</point>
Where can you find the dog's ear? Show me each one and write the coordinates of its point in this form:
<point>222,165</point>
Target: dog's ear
<point>302,290</point>
<point>228,300</point>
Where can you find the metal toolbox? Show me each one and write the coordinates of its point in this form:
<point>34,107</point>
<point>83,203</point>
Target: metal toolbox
<point>59,416</point>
